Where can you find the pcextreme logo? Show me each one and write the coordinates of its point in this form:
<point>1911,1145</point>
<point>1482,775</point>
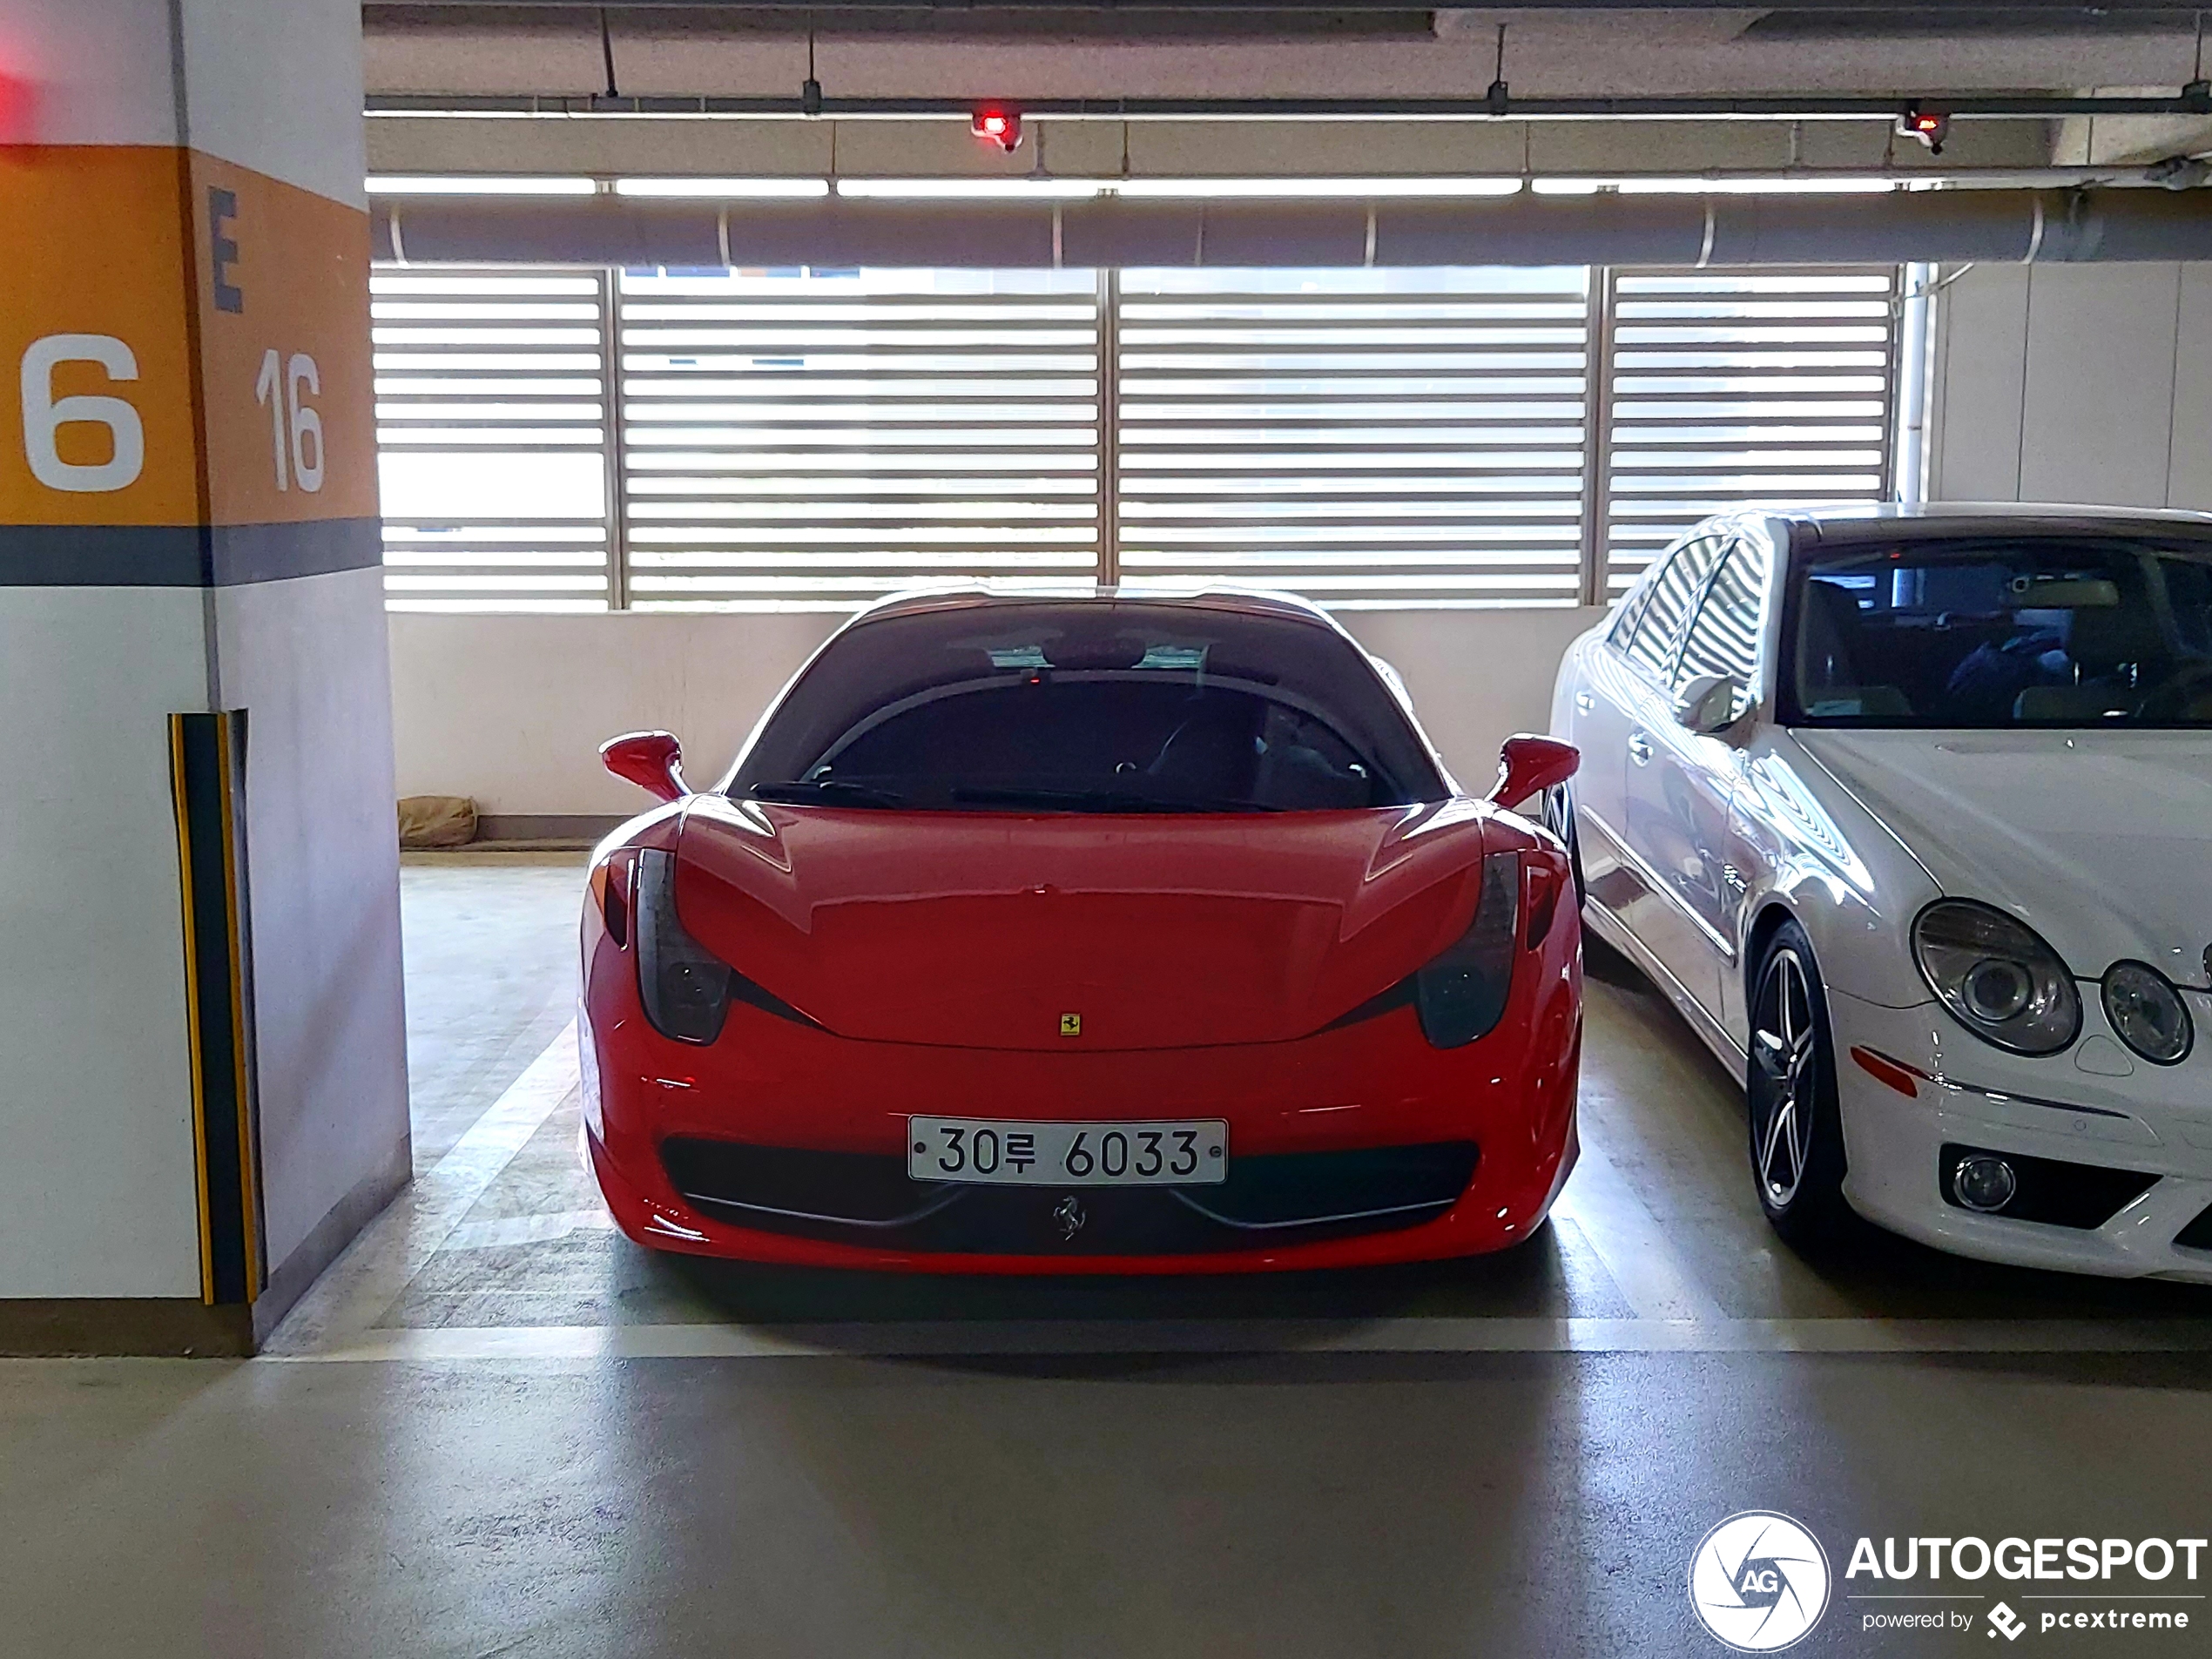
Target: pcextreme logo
<point>1759,1582</point>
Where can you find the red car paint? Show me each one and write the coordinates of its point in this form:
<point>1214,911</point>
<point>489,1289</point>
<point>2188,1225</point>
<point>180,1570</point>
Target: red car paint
<point>1206,953</point>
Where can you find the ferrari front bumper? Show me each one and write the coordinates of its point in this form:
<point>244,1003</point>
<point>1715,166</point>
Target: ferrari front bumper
<point>1356,1146</point>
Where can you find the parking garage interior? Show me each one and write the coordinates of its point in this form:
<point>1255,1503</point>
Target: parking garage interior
<point>588,366</point>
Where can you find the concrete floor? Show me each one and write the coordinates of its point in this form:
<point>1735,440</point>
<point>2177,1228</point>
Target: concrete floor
<point>497,1428</point>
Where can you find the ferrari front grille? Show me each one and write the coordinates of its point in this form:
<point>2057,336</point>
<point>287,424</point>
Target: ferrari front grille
<point>1271,1199</point>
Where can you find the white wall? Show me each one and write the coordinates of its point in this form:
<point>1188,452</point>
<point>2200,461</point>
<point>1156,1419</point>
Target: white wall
<point>511,709</point>
<point>270,85</point>
<point>97,1190</point>
<point>95,71</point>
<point>1477,676</point>
<point>306,658</point>
<point>2074,384</point>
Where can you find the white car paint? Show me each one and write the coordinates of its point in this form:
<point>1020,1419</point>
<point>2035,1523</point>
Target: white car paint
<point>2100,840</point>
<point>2092,838</point>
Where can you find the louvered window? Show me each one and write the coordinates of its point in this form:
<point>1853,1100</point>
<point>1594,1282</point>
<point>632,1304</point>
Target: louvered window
<point>1368,438</point>
<point>490,430</point>
<point>1733,389</point>
<point>811,441</point>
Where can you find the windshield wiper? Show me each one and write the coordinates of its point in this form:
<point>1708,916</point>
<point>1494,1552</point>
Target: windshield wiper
<point>827,792</point>
<point>1096,800</point>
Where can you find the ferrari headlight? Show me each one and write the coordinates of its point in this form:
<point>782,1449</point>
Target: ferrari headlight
<point>1461,995</point>
<point>1997,976</point>
<point>684,987</point>
<point>2147,1013</point>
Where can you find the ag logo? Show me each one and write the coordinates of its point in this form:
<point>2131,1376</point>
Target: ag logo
<point>1759,1582</point>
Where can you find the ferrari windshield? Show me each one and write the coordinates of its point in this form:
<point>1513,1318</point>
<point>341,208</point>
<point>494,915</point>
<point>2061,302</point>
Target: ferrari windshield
<point>2001,631</point>
<point>1129,706</point>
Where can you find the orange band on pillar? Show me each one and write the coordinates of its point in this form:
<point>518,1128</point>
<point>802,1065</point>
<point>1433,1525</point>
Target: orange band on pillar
<point>238,398</point>
<point>285,376</point>
<point>97,236</point>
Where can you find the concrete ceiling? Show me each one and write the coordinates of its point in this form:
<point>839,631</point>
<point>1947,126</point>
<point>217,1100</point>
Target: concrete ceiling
<point>1358,50</point>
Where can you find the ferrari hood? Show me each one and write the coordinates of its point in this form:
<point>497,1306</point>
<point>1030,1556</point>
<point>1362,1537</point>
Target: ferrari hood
<point>2097,839</point>
<point>1003,931</point>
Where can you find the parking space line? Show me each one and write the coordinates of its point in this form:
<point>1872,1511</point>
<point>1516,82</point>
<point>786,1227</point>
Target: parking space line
<point>506,1230</point>
<point>357,1288</point>
<point>956,1338</point>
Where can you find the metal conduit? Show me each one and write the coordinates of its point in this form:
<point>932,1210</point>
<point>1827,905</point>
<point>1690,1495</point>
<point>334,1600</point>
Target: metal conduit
<point>2048,227</point>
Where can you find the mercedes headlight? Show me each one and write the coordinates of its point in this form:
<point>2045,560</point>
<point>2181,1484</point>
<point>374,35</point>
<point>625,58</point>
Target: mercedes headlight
<point>1997,976</point>
<point>2147,1013</point>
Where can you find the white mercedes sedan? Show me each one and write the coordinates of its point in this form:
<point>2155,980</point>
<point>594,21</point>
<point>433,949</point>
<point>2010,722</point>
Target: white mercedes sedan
<point>1909,810</point>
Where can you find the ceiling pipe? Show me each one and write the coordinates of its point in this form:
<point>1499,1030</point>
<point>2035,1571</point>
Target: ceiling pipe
<point>1980,106</point>
<point>2063,7</point>
<point>2166,174</point>
<point>2174,172</point>
<point>1895,228</point>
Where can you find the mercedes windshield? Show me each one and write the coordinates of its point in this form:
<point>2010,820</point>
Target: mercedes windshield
<point>2073,630</point>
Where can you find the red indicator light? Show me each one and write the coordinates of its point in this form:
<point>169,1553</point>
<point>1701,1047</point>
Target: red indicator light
<point>1931,127</point>
<point>994,124</point>
<point>18,110</point>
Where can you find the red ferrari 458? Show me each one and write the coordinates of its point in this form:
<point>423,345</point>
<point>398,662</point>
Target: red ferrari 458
<point>1107,934</point>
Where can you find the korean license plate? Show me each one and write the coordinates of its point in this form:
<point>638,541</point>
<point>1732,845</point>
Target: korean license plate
<point>1176,1152</point>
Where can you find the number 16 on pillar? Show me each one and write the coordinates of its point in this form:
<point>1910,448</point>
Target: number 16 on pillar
<point>295,430</point>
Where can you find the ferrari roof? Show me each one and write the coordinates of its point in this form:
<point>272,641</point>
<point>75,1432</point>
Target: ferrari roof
<point>1251,602</point>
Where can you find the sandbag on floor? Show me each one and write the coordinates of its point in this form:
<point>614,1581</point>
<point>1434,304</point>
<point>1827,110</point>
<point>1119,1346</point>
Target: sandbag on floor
<point>437,820</point>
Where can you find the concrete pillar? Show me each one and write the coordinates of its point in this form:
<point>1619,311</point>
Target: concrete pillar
<point>203,1089</point>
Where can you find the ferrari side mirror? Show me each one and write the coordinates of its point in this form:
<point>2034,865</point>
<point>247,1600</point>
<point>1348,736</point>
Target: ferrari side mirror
<point>1528,765</point>
<point>1708,702</point>
<point>652,761</point>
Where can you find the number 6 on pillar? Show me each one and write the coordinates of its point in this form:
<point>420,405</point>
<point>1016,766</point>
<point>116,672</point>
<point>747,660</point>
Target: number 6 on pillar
<point>45,415</point>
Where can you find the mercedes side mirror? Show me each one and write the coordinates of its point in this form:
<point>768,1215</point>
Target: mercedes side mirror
<point>1707,703</point>
<point>1528,765</point>
<point>652,761</point>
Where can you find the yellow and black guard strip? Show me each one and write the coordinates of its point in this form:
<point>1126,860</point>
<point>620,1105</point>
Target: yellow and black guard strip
<point>205,758</point>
